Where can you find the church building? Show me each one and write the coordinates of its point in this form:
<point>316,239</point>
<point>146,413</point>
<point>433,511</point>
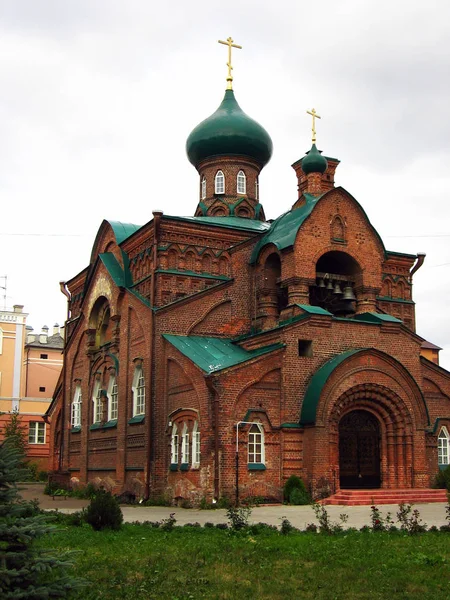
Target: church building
<point>217,354</point>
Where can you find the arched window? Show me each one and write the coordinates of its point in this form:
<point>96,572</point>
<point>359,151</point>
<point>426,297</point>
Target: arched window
<point>256,444</point>
<point>113,399</point>
<point>185,445</point>
<point>75,415</point>
<point>195,445</point>
<point>241,183</point>
<point>97,412</point>
<point>219,183</point>
<point>203,188</point>
<point>443,447</point>
<point>174,445</point>
<point>138,389</point>
<point>257,189</point>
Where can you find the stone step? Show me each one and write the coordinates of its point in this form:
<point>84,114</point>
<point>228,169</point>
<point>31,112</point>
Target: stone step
<point>388,496</point>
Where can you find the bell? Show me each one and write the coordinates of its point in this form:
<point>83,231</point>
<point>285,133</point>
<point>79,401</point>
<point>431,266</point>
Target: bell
<point>322,283</point>
<point>337,289</point>
<point>348,293</point>
<point>329,285</point>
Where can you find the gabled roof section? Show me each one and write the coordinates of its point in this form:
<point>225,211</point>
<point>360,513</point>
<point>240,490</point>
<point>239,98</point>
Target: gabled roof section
<point>121,232</point>
<point>114,268</point>
<point>215,354</point>
<point>315,387</point>
<point>284,230</point>
<point>228,222</point>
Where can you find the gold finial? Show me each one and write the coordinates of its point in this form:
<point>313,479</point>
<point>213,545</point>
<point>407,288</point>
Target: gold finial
<point>230,45</point>
<point>314,117</point>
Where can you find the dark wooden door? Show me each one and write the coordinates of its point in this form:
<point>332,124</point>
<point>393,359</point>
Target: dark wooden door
<point>359,450</point>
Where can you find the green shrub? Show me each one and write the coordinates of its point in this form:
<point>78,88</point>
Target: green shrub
<point>299,497</point>
<point>442,480</point>
<point>295,491</point>
<point>104,512</point>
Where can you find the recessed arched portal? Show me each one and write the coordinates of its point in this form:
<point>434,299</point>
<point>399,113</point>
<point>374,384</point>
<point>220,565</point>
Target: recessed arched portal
<point>359,450</point>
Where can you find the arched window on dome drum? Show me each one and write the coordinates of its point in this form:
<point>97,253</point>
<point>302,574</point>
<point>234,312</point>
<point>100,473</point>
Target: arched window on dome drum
<point>219,183</point>
<point>241,183</point>
<point>203,188</point>
<point>443,447</point>
<point>257,189</point>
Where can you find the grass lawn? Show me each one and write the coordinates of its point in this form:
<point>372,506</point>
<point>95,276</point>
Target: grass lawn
<point>191,563</point>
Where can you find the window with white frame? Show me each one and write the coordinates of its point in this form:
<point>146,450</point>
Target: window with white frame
<point>36,432</point>
<point>97,412</point>
<point>174,446</point>
<point>113,398</point>
<point>138,392</point>
<point>241,183</point>
<point>185,444</point>
<point>75,416</point>
<point>256,444</point>
<point>203,188</point>
<point>219,183</point>
<point>195,445</point>
<point>443,447</point>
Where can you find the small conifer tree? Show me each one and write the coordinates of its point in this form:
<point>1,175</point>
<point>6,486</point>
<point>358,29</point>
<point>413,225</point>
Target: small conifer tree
<point>104,511</point>
<point>26,572</point>
<point>14,429</point>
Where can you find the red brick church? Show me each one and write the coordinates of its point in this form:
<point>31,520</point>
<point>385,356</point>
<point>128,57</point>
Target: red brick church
<point>217,354</point>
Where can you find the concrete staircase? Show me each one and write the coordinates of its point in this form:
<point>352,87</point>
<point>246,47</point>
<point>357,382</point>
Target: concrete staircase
<point>385,496</point>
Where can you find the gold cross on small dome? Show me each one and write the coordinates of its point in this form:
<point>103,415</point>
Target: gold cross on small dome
<point>315,116</point>
<point>230,45</point>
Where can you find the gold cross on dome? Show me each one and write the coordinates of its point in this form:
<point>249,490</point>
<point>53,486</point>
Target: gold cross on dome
<point>314,117</point>
<point>230,45</point>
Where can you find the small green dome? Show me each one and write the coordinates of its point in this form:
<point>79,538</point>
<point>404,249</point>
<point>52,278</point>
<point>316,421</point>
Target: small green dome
<point>314,162</point>
<point>229,131</point>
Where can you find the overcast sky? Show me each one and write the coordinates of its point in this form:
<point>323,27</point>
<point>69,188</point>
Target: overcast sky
<point>98,97</point>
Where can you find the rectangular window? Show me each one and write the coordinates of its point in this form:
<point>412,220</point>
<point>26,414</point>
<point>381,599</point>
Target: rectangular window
<point>174,453</point>
<point>196,448</point>
<point>44,356</point>
<point>98,405</point>
<point>76,408</point>
<point>42,389</point>
<point>305,348</point>
<point>185,448</point>
<point>113,402</point>
<point>443,451</point>
<point>255,445</point>
<point>139,393</point>
<point>36,433</point>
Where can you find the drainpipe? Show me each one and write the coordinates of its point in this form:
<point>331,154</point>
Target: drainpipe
<point>157,214</point>
<point>215,396</point>
<point>418,264</point>
<point>65,291</point>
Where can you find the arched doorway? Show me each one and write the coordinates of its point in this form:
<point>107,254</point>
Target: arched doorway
<point>359,450</point>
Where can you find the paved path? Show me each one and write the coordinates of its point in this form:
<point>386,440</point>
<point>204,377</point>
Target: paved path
<point>299,516</point>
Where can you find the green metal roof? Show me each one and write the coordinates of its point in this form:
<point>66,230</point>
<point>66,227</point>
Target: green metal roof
<point>372,317</point>
<point>229,131</point>
<point>214,354</point>
<point>113,268</point>
<point>315,387</point>
<point>123,230</point>
<point>314,310</point>
<point>283,230</point>
<point>228,222</point>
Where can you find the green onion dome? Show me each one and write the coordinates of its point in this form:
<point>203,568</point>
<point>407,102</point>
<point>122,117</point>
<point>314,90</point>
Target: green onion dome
<point>229,131</point>
<point>314,162</point>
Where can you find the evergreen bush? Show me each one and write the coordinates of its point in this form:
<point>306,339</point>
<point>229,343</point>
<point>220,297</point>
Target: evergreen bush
<point>104,512</point>
<point>442,480</point>
<point>26,572</point>
<point>295,492</point>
